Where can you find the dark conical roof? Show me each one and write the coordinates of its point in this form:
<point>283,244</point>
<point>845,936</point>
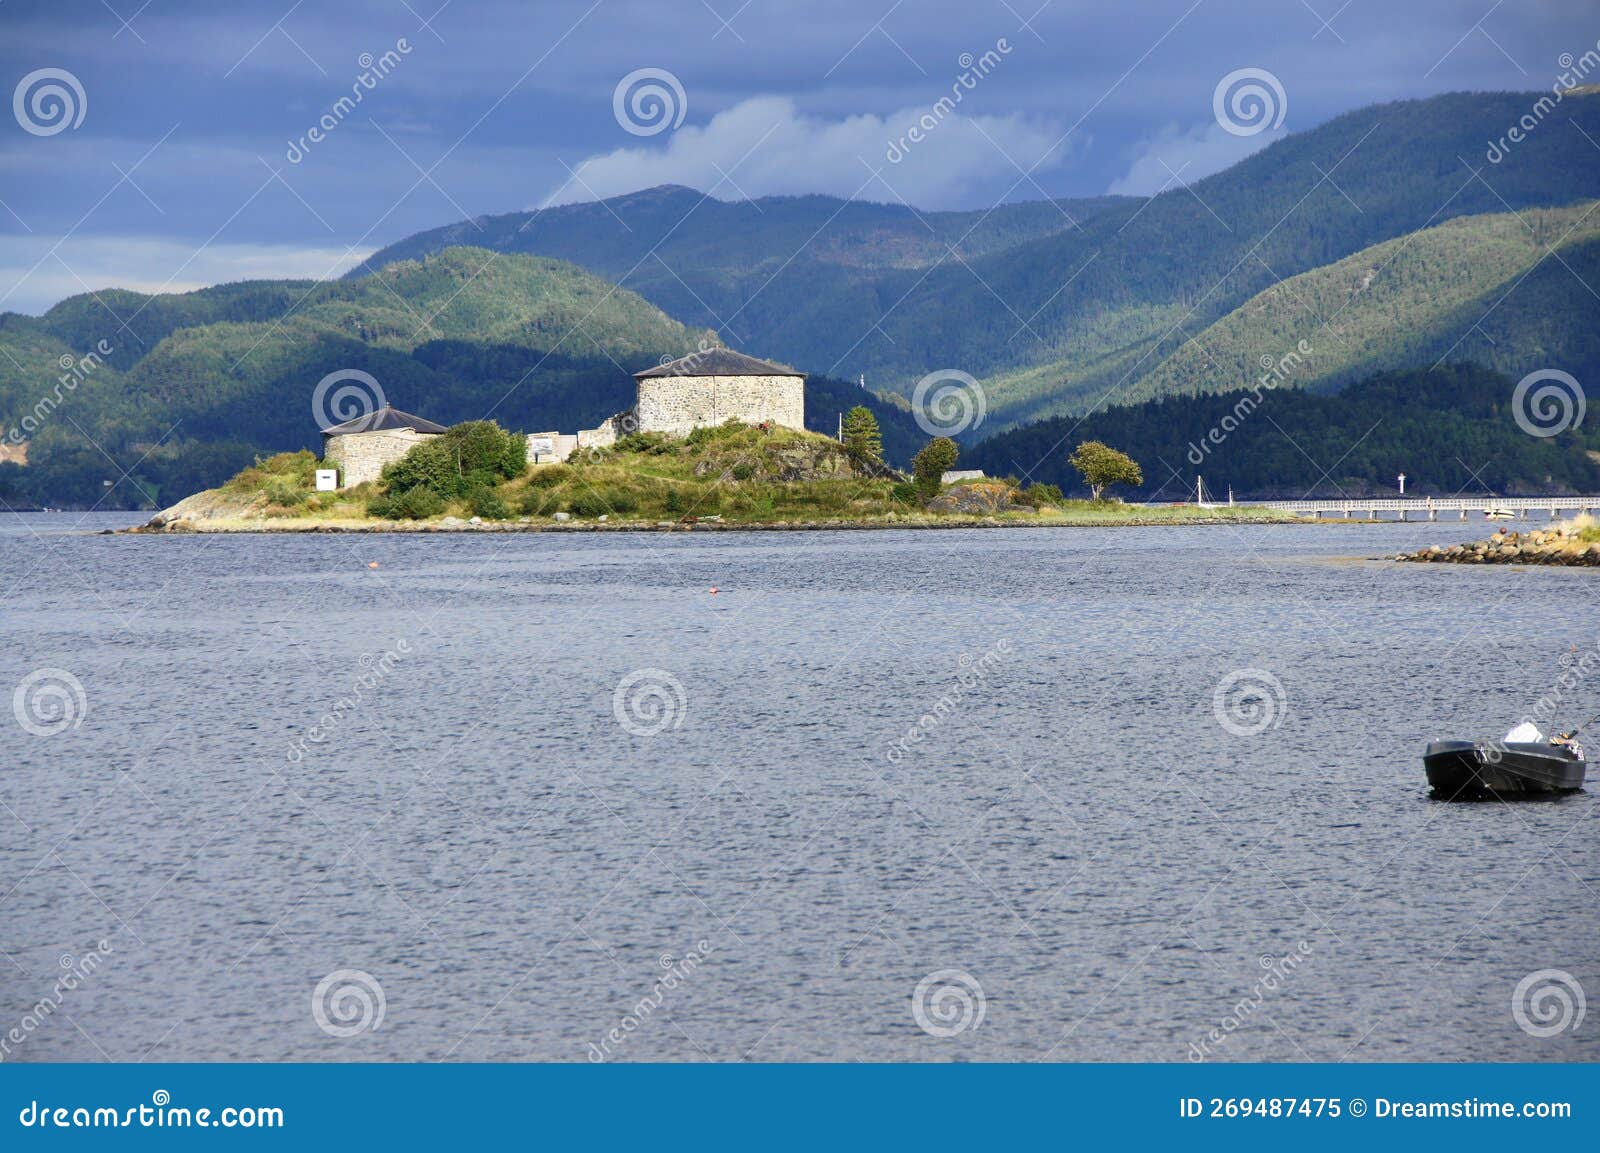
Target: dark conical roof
<point>717,362</point>
<point>384,418</point>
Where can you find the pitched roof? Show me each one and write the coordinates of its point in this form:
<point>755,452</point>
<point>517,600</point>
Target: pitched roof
<point>717,362</point>
<point>385,418</point>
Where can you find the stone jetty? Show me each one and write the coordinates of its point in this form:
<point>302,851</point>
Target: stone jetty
<point>1574,544</point>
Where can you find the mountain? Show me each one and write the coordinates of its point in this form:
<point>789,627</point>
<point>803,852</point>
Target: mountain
<point>1450,429</point>
<point>1506,290</point>
<point>194,385</point>
<point>1055,315</point>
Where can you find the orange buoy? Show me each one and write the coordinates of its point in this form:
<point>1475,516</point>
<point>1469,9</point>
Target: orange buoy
<point>372,564</point>
<point>714,590</point>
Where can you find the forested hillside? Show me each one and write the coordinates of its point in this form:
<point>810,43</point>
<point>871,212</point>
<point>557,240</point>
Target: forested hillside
<point>1449,430</point>
<point>195,385</point>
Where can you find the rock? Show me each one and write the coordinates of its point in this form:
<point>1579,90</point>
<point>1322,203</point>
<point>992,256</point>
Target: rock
<point>981,499</point>
<point>563,516</point>
<point>451,520</point>
<point>476,520</point>
<point>603,517</point>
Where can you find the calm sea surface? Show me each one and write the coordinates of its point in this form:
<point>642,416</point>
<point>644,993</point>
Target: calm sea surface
<point>549,798</point>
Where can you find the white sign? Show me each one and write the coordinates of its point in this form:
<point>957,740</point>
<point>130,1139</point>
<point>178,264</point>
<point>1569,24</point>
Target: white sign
<point>327,479</point>
<point>541,444</point>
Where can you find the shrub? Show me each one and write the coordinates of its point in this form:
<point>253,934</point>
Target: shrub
<point>539,502</point>
<point>605,500</point>
<point>652,442</point>
<point>904,492</point>
<point>285,491</point>
<point>932,463</point>
<point>465,457</point>
<point>1046,493</point>
<point>486,503</point>
<point>744,470</point>
<point>549,475</point>
<point>706,434</point>
<point>420,503</point>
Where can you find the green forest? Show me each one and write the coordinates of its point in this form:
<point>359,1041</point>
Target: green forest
<point>1450,430</point>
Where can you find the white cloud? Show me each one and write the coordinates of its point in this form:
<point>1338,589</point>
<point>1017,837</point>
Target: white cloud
<point>38,278</point>
<point>1193,154</point>
<point>765,146</point>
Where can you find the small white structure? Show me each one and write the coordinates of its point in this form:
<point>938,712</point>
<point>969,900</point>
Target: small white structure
<point>327,479</point>
<point>550,447</point>
<point>361,447</point>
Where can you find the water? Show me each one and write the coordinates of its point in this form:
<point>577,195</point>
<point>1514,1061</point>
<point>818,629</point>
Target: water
<point>1075,831</point>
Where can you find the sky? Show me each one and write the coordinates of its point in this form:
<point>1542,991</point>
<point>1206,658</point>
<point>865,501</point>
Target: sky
<point>162,145</point>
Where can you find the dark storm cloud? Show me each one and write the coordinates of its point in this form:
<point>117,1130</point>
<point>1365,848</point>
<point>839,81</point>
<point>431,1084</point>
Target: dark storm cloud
<point>198,113</point>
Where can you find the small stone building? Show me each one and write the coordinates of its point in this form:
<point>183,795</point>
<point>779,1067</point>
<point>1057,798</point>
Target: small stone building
<point>360,448</point>
<point>715,386</point>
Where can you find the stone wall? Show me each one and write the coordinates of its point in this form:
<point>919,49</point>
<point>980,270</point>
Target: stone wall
<point>679,404</point>
<point>360,456</point>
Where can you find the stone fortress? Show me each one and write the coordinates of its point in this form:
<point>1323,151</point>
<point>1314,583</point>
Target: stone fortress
<point>360,448</point>
<point>709,387</point>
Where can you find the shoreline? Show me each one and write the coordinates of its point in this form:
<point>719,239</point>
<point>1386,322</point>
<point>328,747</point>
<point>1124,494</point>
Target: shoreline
<point>424,528</point>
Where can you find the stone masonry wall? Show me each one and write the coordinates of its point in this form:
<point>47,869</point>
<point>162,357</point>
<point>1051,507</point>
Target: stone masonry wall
<point>360,456</point>
<point>679,404</point>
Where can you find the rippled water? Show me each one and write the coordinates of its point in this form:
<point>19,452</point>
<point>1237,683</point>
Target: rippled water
<point>1075,831</point>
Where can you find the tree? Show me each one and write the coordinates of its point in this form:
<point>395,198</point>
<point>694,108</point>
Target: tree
<point>862,440</point>
<point>930,465</point>
<point>1102,466</point>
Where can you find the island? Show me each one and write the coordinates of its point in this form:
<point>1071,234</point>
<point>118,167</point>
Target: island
<point>730,476</point>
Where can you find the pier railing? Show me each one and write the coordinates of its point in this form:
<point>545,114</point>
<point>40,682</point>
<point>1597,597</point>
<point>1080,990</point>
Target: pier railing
<point>1432,506</point>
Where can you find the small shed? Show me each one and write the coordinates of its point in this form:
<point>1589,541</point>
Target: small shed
<point>360,448</point>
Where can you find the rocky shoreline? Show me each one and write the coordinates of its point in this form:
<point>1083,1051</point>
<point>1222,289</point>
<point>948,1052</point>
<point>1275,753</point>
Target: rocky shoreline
<point>1564,545</point>
<point>157,526</point>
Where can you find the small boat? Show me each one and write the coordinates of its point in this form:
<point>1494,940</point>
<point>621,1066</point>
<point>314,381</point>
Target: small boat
<point>1471,769</point>
<point>1498,514</point>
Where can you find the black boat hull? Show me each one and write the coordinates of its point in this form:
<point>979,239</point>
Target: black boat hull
<point>1462,769</point>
